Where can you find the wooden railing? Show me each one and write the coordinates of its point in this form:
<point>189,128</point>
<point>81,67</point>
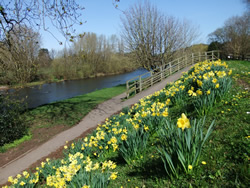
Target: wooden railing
<point>146,80</point>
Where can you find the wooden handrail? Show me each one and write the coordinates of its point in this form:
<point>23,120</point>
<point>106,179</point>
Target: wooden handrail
<point>138,83</point>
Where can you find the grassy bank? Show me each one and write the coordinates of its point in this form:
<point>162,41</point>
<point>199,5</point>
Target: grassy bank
<point>64,113</point>
<point>70,111</point>
<point>159,142</point>
<point>225,158</point>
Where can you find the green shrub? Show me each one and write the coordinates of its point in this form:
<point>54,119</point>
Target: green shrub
<point>12,125</point>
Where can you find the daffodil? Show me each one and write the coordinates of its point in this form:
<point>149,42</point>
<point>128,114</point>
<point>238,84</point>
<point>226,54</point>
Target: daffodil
<point>199,92</point>
<point>183,122</point>
<point>214,80</point>
<point>146,128</point>
<point>221,74</point>
<point>113,176</point>
<point>190,92</point>
<point>22,183</point>
<point>86,186</point>
<point>10,179</point>
<point>199,83</point>
<point>203,162</point>
<point>190,167</point>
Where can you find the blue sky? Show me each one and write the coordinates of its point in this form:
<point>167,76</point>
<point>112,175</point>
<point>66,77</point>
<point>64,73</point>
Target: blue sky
<point>102,18</point>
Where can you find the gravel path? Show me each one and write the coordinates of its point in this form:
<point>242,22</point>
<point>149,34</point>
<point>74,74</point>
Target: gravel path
<point>91,120</point>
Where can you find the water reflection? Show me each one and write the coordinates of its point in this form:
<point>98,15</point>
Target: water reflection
<point>47,93</point>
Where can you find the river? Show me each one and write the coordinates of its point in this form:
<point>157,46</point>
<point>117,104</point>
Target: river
<point>47,93</point>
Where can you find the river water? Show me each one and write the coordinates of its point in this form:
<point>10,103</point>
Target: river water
<point>47,93</point>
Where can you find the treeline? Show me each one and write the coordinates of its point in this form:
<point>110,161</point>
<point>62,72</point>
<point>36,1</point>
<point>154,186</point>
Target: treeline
<point>23,61</point>
<point>93,55</point>
<point>233,38</point>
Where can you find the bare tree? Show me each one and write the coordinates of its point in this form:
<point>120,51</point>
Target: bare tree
<point>219,35</point>
<point>121,49</point>
<point>247,2</point>
<point>44,59</point>
<point>154,37</point>
<point>52,54</point>
<point>234,36</point>
<point>36,14</point>
<point>18,58</point>
<point>18,42</point>
<point>238,34</point>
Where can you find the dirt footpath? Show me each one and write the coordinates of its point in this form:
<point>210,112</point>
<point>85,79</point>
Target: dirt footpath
<point>90,121</point>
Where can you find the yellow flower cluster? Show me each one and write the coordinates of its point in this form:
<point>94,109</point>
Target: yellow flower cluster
<point>66,172</point>
<point>205,77</point>
<point>23,179</point>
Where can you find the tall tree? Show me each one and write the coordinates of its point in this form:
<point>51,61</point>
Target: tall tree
<point>44,58</point>
<point>234,36</point>
<point>18,42</point>
<point>18,55</point>
<point>154,37</point>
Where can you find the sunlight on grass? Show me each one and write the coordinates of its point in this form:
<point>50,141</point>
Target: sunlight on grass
<point>70,111</point>
<point>15,143</point>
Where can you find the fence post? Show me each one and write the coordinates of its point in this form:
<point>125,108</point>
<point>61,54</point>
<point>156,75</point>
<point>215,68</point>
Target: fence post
<point>161,73</point>
<point>178,64</point>
<point>192,58</point>
<point>206,55</point>
<point>199,56</point>
<point>186,61</point>
<point>212,55</point>
<point>127,89</point>
<point>140,84</point>
<point>170,68</point>
<point>151,78</point>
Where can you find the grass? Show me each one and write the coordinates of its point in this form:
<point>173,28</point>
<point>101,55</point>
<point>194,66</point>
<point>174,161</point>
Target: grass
<point>226,155</point>
<point>66,112</point>
<point>70,111</point>
<point>6,147</point>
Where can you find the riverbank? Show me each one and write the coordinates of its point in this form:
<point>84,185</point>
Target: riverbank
<point>4,88</point>
<point>37,83</point>
<point>49,120</point>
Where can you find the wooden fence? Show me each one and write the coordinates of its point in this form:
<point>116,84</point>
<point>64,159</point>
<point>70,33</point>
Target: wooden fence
<point>146,80</point>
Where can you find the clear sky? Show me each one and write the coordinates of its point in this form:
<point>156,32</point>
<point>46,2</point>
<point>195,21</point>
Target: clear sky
<point>102,18</point>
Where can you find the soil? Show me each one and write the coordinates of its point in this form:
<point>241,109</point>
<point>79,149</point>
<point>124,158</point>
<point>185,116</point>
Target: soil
<point>243,83</point>
<point>40,136</point>
<point>2,88</point>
